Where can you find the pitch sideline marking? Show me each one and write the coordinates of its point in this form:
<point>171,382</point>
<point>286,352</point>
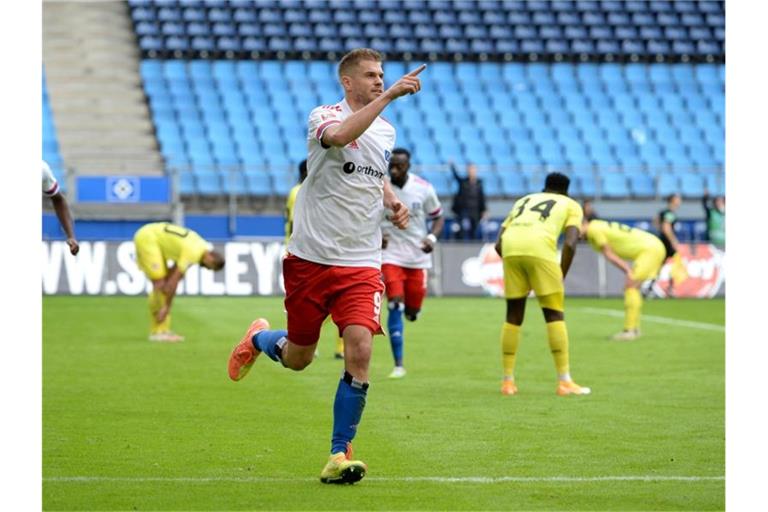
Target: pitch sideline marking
<point>657,319</point>
<point>429,479</point>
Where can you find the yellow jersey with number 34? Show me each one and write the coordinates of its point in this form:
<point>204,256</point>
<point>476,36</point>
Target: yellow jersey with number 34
<point>535,222</point>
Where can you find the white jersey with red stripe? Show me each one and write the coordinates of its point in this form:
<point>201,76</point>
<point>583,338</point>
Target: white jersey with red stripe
<point>337,218</point>
<point>50,185</point>
<point>404,245</point>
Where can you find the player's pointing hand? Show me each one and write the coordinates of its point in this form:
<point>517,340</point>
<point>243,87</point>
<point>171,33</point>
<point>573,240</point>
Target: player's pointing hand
<point>408,84</point>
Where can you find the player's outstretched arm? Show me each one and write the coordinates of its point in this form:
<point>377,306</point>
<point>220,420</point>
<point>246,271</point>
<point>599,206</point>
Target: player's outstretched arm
<point>569,248</point>
<point>354,126</point>
<point>64,215</point>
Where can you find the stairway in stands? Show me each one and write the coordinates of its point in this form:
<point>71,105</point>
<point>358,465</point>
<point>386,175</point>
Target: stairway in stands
<point>91,63</point>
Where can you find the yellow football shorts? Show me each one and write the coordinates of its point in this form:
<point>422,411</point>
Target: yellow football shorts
<point>525,273</point>
<point>149,258</point>
<point>649,262</point>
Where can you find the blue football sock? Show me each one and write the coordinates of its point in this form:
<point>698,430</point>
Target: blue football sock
<point>395,327</point>
<point>347,411</point>
<point>270,342</point>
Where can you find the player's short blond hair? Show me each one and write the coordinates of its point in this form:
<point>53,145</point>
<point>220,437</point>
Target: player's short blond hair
<point>358,54</point>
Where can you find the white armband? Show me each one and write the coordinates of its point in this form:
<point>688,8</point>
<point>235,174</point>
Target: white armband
<point>432,238</point>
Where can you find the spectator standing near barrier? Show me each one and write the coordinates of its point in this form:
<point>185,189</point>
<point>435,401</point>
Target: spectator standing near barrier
<point>715,213</point>
<point>667,222</point>
<point>469,205</point>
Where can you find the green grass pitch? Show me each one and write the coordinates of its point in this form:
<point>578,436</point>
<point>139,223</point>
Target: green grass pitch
<point>132,425</point>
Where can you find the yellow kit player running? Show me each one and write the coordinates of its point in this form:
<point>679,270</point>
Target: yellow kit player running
<point>290,203</point>
<point>619,242</point>
<point>156,244</point>
<point>527,244</point>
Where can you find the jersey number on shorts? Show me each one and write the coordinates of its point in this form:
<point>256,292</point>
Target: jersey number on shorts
<point>176,231</point>
<point>543,208</point>
<point>376,305</point>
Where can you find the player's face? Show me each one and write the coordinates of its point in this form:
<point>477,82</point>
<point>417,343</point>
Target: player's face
<point>398,167</point>
<point>675,202</point>
<point>720,203</point>
<point>365,81</point>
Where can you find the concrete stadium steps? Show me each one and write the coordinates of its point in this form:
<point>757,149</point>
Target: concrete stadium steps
<point>92,71</point>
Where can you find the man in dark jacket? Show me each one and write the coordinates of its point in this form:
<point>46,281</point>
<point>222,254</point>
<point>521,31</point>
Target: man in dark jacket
<point>469,203</point>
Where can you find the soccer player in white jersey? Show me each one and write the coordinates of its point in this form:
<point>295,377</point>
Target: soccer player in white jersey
<point>406,254</point>
<point>334,254</point>
<point>60,206</point>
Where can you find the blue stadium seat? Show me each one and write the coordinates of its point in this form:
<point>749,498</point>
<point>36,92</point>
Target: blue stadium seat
<point>641,186</point>
<point>514,184</point>
<point>668,184</point>
<point>691,184</point>
<point>259,183</point>
<point>442,182</point>
<point>715,184</point>
<point>614,185</point>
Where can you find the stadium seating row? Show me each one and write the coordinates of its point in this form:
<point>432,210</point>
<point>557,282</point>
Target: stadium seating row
<point>659,29</point>
<point>261,183</point>
<point>638,120</point>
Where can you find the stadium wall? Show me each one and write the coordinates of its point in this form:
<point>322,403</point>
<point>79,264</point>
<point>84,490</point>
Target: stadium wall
<point>254,268</point>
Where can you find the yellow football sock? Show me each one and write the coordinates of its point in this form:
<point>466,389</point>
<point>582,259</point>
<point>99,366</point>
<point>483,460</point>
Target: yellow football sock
<point>558,344</point>
<point>156,302</point>
<point>510,340</point>
<point>340,345</point>
<point>633,303</point>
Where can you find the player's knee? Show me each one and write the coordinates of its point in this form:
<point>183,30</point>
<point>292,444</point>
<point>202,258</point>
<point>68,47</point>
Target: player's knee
<point>298,363</point>
<point>552,315</point>
<point>395,304</point>
<point>412,313</point>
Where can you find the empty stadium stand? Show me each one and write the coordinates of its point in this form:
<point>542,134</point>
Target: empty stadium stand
<point>626,96</point>
<point>583,30</point>
<point>619,128</point>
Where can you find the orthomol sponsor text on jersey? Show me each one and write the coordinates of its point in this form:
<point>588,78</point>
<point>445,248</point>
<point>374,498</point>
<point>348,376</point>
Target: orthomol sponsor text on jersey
<point>351,167</point>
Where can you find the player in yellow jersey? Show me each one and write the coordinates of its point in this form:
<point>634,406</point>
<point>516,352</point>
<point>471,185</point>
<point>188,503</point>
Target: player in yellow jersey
<point>527,243</point>
<point>618,243</point>
<point>289,204</point>
<point>156,244</point>
<point>291,201</point>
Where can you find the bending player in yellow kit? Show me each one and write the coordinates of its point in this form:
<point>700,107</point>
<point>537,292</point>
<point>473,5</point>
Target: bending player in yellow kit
<point>156,244</point>
<point>619,242</point>
<point>290,202</point>
<point>527,244</point>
